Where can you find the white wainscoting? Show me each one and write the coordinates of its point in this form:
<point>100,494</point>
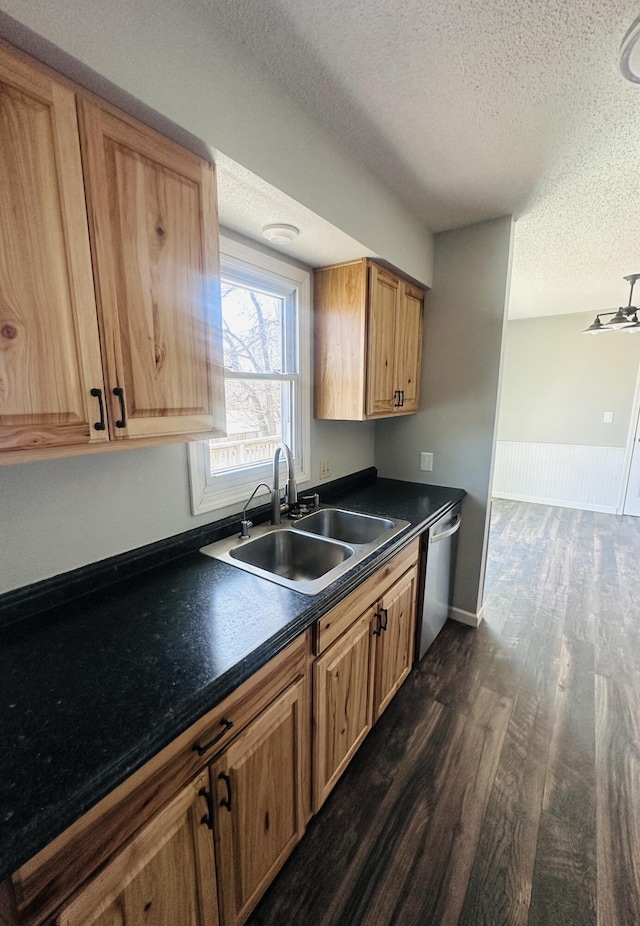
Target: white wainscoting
<point>567,475</point>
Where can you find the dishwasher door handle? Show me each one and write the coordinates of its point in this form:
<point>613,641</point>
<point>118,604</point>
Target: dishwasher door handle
<point>449,531</point>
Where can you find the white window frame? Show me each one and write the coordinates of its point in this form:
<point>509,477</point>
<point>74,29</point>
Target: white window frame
<point>211,492</point>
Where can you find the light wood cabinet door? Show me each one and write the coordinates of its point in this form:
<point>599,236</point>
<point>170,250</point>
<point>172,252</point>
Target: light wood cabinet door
<point>153,227</point>
<point>342,704</point>
<point>408,348</point>
<point>395,625</point>
<point>339,341</point>
<point>384,296</point>
<point>258,785</point>
<point>165,874</point>
<point>367,342</point>
<point>49,344</point>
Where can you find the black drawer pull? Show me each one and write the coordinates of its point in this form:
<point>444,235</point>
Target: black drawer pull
<point>122,420</point>
<point>97,394</point>
<point>378,629</point>
<point>226,801</point>
<point>226,724</point>
<point>208,817</point>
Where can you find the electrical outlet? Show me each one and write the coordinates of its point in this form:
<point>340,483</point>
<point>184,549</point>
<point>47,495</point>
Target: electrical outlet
<point>325,469</point>
<point>607,417</point>
<point>426,462</point>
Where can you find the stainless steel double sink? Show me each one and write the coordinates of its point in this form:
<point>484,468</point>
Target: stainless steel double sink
<point>309,554</point>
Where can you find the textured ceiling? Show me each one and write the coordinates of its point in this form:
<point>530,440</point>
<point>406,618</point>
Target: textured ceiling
<point>247,203</point>
<point>472,109</point>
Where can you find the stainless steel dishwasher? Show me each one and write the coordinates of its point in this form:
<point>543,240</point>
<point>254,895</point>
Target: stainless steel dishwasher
<point>437,565</point>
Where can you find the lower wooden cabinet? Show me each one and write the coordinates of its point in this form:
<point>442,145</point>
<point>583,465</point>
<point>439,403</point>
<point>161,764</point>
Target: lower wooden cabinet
<point>259,804</point>
<point>342,704</point>
<point>394,633</point>
<point>164,874</point>
<point>195,837</point>
<point>358,675</point>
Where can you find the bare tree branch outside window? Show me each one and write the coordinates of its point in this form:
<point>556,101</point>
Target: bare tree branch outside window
<point>253,336</point>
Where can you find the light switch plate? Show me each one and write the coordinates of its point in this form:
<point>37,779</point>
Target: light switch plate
<point>607,417</point>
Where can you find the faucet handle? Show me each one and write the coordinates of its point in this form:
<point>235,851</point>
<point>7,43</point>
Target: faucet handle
<point>310,502</point>
<point>244,530</point>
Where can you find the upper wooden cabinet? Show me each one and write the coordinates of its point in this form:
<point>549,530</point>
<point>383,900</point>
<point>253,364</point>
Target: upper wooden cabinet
<point>368,342</point>
<point>49,345</point>
<point>136,357</point>
<point>153,229</point>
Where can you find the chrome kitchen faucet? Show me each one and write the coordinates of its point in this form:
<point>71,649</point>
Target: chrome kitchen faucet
<point>277,508</point>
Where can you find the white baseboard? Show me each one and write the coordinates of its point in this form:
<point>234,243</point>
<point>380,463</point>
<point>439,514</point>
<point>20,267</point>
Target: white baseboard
<point>554,502</point>
<point>466,617</point>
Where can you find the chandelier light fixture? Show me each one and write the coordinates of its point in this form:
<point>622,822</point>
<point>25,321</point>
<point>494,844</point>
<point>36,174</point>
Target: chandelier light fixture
<point>624,319</point>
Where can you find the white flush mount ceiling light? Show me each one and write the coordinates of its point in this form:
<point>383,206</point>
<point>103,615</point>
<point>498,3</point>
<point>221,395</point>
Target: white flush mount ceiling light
<point>280,234</point>
<point>629,59</point>
<point>624,319</point>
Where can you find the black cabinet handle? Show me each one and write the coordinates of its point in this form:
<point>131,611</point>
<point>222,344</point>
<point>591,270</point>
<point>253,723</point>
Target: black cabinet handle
<point>396,393</point>
<point>208,817</point>
<point>401,398</point>
<point>384,624</point>
<point>122,420</point>
<point>226,801</point>
<point>378,629</point>
<point>97,394</point>
<point>226,724</point>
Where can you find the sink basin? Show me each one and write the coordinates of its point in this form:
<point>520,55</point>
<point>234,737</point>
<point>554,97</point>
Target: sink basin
<point>346,526</point>
<point>309,554</point>
<point>291,555</point>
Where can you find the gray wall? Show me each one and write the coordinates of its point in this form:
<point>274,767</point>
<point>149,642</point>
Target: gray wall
<point>464,323</point>
<point>60,514</point>
<point>175,59</point>
<point>557,383</point>
<point>57,515</point>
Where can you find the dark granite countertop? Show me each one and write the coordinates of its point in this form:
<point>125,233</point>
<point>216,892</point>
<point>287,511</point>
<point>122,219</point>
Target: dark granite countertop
<point>91,689</point>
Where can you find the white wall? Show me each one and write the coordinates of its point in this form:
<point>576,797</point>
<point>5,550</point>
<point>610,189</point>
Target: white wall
<point>557,382</point>
<point>554,446</point>
<point>171,55</point>
<point>464,322</point>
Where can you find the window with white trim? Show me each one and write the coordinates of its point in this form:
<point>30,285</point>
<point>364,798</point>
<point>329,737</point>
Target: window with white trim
<point>265,325</point>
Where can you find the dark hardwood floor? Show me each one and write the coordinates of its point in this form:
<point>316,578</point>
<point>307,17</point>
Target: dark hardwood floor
<point>502,785</point>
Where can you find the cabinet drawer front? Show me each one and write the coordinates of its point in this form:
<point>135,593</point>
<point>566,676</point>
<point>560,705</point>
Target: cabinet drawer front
<point>340,618</point>
<point>45,881</point>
